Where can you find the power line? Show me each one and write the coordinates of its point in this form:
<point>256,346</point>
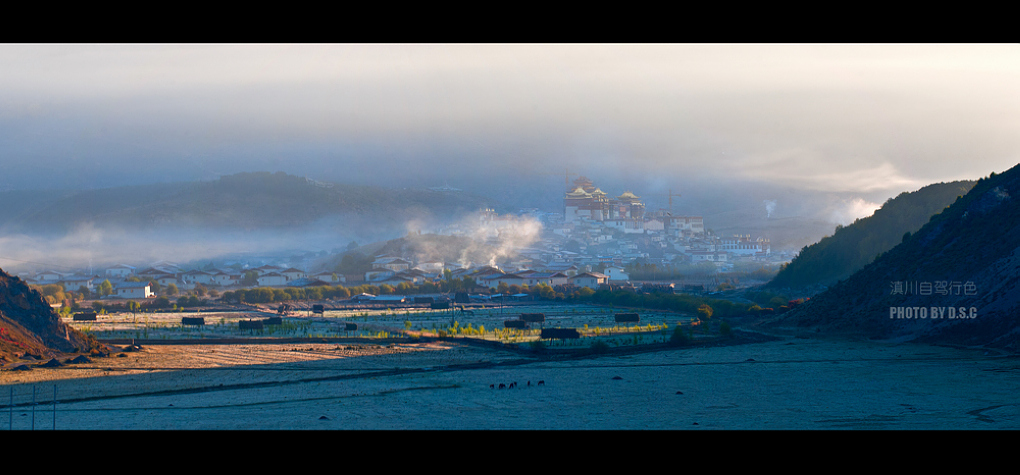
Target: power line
<point>40,263</point>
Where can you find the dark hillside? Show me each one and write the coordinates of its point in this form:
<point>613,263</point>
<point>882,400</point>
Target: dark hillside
<point>28,324</point>
<point>964,262</point>
<point>852,247</point>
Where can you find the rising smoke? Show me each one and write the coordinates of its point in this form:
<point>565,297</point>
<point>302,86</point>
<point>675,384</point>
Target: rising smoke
<point>486,239</point>
<point>847,211</point>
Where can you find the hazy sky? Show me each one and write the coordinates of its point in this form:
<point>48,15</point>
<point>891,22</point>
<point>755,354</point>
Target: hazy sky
<point>867,119</point>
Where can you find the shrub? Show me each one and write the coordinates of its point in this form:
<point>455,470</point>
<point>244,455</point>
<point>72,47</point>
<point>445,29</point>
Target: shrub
<point>599,347</point>
<point>725,330</point>
<point>680,337</point>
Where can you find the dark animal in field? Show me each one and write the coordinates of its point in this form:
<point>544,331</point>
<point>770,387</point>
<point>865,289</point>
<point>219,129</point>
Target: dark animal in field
<point>533,317</point>
<point>492,386</point>
<point>541,383</point>
<point>627,318</point>
<point>502,386</point>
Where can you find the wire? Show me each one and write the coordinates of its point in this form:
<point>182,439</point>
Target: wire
<point>40,263</point>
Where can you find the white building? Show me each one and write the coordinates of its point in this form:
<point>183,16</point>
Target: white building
<point>120,271</point>
<point>134,290</point>
<point>616,274</point>
<point>272,279</point>
<point>293,274</point>
<point>742,244</point>
<point>592,280</point>
<point>73,283</point>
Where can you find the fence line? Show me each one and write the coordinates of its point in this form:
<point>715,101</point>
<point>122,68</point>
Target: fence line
<point>10,411</point>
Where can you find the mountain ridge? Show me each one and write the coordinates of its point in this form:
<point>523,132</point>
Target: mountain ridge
<point>852,247</point>
<point>965,262</point>
<point>243,200</point>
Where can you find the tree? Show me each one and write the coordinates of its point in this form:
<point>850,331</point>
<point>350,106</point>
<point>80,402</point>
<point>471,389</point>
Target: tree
<point>133,306</point>
<point>725,330</point>
<point>704,312</point>
<point>171,289</point>
<point>106,288</point>
<point>679,338</point>
<point>250,279</point>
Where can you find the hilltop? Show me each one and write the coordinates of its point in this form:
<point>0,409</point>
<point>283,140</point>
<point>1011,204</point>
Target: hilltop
<point>852,247</point>
<point>964,262</point>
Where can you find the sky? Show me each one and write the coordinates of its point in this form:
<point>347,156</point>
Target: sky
<point>853,123</point>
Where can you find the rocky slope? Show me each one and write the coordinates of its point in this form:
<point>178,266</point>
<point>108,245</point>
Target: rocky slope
<point>29,325</point>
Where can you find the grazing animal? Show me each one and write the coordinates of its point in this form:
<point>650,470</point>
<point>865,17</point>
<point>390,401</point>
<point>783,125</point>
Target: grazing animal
<point>541,383</point>
<point>502,386</point>
<point>529,384</point>
<point>492,386</point>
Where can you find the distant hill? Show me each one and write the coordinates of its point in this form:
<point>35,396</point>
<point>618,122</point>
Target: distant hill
<point>964,261</point>
<point>852,247</point>
<point>241,201</point>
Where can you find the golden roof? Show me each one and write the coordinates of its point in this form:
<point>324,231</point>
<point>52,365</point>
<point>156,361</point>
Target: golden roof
<point>578,193</point>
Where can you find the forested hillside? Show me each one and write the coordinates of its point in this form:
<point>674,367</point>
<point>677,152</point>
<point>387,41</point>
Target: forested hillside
<point>956,280</point>
<point>852,247</point>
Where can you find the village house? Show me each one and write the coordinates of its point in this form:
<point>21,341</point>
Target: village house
<point>51,277</point>
<point>616,274</point>
<point>73,283</point>
<point>330,277</point>
<point>272,279</point>
<point>551,279</point>
<point>394,264</point>
<point>134,290</point>
<point>293,274</point>
<point>120,271</point>
<point>198,277</point>
<point>226,279</point>
<point>166,279</point>
<point>267,269</point>
<point>592,280</point>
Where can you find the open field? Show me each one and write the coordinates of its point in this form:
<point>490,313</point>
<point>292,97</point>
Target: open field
<point>307,375</point>
<point>487,324</point>
<point>791,384</point>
